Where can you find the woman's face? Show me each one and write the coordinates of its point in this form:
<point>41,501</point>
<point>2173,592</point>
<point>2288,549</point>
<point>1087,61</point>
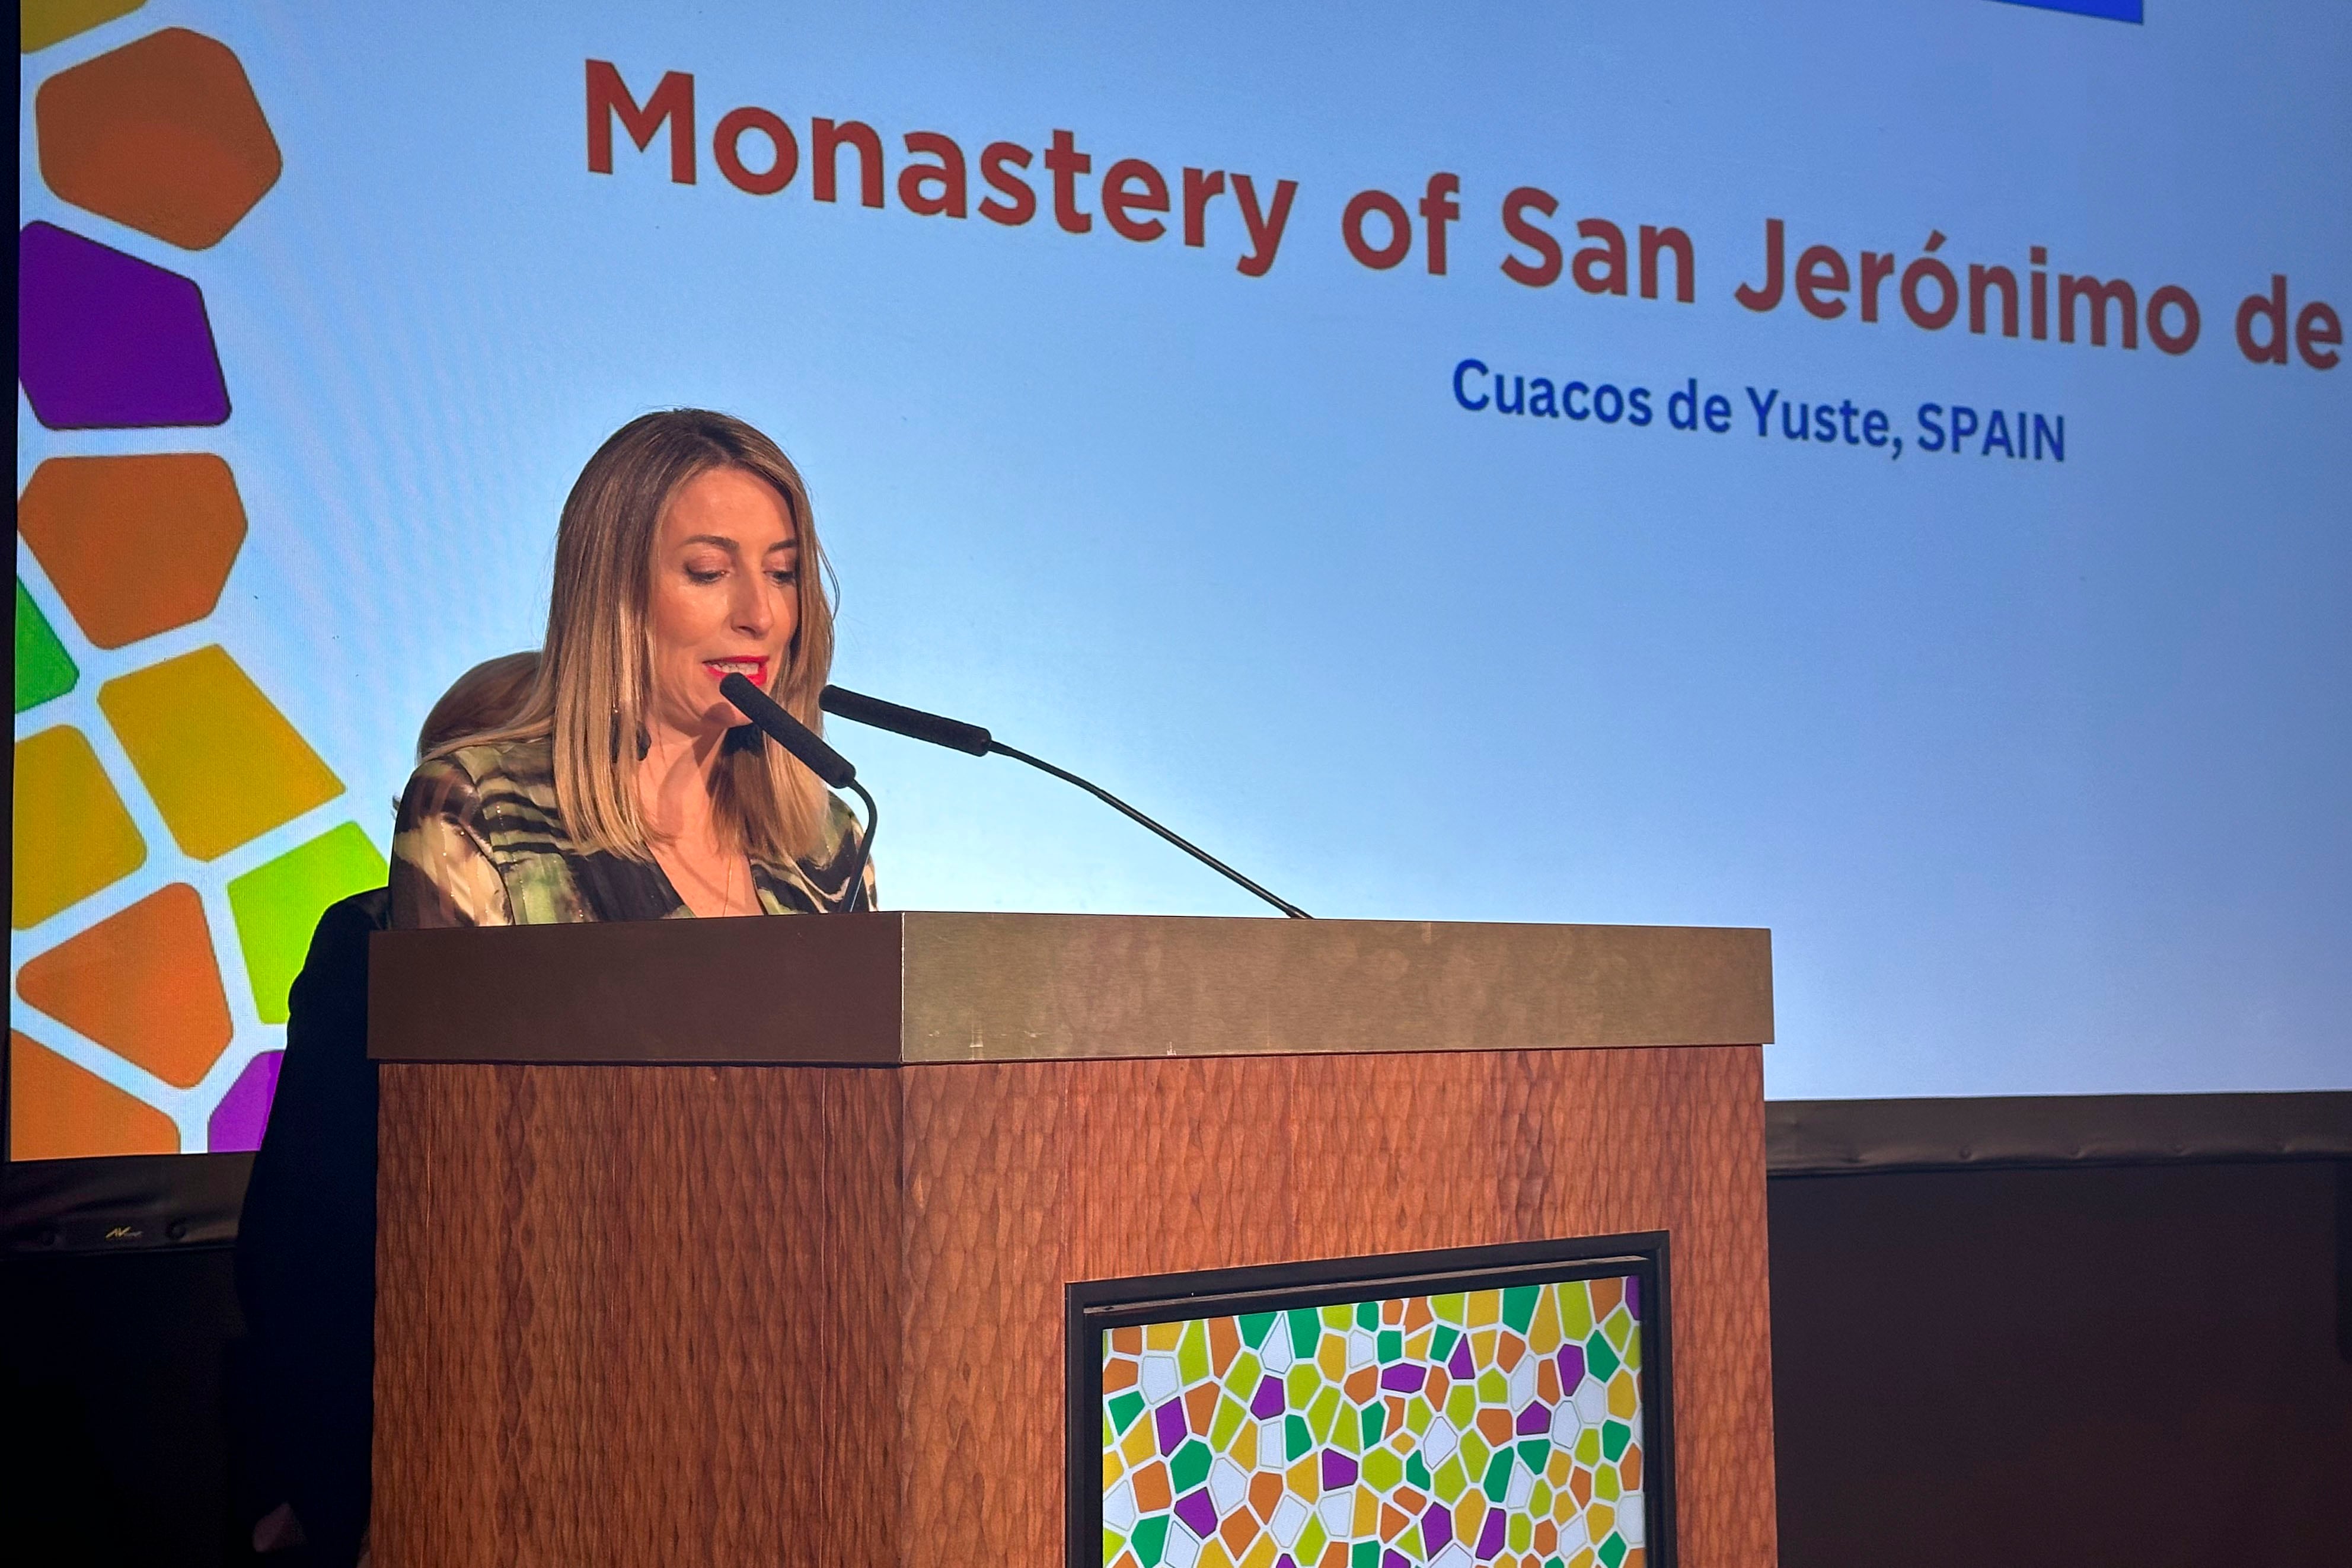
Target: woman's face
<point>725,598</point>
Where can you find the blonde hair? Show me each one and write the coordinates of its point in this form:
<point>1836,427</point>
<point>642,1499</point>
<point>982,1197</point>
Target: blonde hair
<point>592,685</point>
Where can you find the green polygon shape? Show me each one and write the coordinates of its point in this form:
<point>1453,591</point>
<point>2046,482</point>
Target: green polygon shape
<point>1149,1540</point>
<point>1535,1453</point>
<point>1375,1421</point>
<point>1193,1352</point>
<point>44,669</point>
<point>1612,1550</point>
<point>1416,1469</point>
<point>1497,1484</point>
<point>1368,1314</point>
<point>1389,1347</point>
<point>1600,1359</point>
<point>1615,1438</point>
<point>1383,1469</point>
<point>277,906</point>
<point>1519,1305</point>
<point>1442,1344</point>
<point>1124,1408</point>
<point>1553,1563</point>
<point>1254,1327</point>
<point>1367,1554</point>
<point>1189,1466</point>
<point>1305,1333</point>
<point>1298,1441</point>
<point>1451,1480</point>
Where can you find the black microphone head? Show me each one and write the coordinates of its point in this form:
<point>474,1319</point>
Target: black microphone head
<point>788,732</point>
<point>912,723</point>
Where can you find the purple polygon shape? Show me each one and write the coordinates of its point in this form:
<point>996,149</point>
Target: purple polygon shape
<point>1268,1402</point>
<point>243,1113</point>
<point>1634,1294</point>
<point>1436,1529</point>
<point>1393,1559</point>
<point>1571,1368</point>
<point>1199,1514</point>
<point>1460,1365</point>
<point>1170,1419</point>
<point>1490,1538</point>
<point>1403,1378</point>
<point>107,341</point>
<point>1535,1419</point>
<point>1338,1469</point>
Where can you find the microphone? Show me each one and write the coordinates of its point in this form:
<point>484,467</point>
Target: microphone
<point>830,766</point>
<point>957,735</point>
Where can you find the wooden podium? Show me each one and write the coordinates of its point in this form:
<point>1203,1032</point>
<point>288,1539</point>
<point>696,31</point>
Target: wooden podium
<point>746,1242</point>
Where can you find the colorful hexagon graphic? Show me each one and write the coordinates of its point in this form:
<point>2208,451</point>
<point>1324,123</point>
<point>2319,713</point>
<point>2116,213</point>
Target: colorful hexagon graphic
<point>219,760</point>
<point>58,1110</point>
<point>71,836</point>
<point>107,341</point>
<point>141,983</point>
<point>133,545</point>
<point>40,22</point>
<point>162,134</point>
<point>44,671</point>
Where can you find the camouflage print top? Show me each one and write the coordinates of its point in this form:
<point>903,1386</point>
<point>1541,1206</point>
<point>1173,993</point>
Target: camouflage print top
<point>479,842</point>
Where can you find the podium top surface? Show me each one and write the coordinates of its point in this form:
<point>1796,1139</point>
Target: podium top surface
<point>916,986</point>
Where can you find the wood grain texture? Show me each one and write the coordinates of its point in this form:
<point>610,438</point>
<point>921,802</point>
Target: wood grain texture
<point>635,1316</point>
<point>1022,1176</point>
<point>787,1314</point>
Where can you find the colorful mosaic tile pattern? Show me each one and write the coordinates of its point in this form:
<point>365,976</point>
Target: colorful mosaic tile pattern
<point>175,836</point>
<point>1492,1430</point>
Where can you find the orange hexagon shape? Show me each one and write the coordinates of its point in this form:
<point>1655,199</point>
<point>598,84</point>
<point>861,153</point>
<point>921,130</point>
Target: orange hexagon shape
<point>133,545</point>
<point>163,134</point>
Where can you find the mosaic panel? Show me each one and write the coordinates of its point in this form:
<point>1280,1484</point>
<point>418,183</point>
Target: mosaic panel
<point>1496,1428</point>
<point>149,873</point>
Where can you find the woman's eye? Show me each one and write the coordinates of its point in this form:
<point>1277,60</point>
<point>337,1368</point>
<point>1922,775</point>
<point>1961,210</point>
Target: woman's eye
<point>784,579</point>
<point>702,575</point>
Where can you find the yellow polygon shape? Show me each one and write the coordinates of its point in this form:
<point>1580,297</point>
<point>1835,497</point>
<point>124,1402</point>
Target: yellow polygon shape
<point>70,835</point>
<point>40,22</point>
<point>221,763</point>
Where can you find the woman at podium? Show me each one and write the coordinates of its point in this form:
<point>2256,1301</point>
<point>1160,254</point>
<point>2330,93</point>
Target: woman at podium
<point>627,788</point>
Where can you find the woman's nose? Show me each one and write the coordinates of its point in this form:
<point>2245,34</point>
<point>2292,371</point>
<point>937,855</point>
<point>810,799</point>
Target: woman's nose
<point>754,609</point>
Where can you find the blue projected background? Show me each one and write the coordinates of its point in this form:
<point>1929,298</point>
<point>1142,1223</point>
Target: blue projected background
<point>2010,696</point>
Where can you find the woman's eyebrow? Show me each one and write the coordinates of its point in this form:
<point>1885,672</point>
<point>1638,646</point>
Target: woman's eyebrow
<point>721,540</point>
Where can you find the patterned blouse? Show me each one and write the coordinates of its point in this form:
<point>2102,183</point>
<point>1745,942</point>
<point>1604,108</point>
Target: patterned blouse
<point>479,842</point>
